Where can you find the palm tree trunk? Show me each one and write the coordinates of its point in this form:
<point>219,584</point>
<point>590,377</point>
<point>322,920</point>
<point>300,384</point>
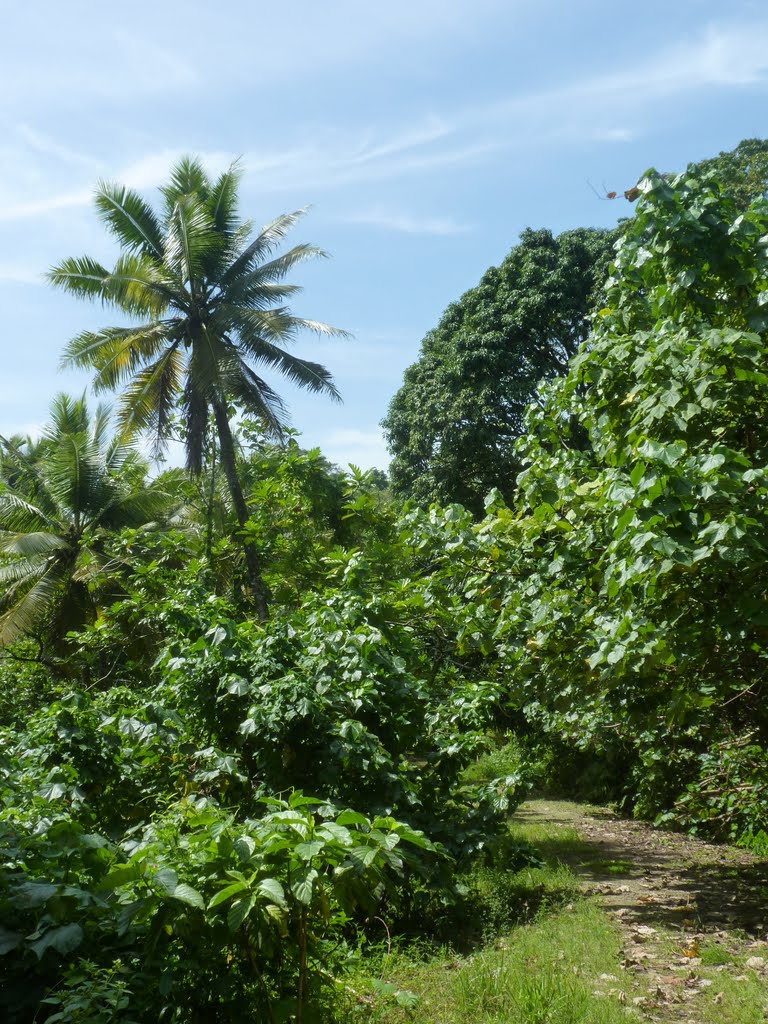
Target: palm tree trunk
<point>227,458</point>
<point>211,498</point>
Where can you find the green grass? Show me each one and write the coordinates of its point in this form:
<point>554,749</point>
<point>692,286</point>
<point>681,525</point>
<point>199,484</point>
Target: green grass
<point>714,955</point>
<point>740,1002</point>
<point>610,867</point>
<point>505,759</point>
<point>546,955</point>
<point>543,971</point>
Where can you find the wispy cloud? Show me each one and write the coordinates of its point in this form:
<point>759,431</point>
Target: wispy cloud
<point>338,159</point>
<point>598,107</point>
<point>49,204</point>
<point>16,274</point>
<point>721,56</point>
<point>343,159</point>
<point>406,223</point>
<point>40,142</point>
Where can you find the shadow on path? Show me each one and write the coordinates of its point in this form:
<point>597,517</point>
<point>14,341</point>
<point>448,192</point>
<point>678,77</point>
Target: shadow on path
<point>656,878</point>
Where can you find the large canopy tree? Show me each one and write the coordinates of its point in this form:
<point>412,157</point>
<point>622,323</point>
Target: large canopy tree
<point>60,499</point>
<point>210,300</point>
<point>453,424</point>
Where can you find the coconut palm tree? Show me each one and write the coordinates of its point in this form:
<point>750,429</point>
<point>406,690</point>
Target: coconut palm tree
<point>60,499</point>
<point>210,297</point>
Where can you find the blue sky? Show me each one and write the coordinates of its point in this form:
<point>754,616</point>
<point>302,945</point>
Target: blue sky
<point>424,135</point>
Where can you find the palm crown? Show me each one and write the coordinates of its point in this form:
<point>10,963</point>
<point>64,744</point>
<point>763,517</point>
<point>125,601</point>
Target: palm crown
<point>211,299</point>
<point>60,497</point>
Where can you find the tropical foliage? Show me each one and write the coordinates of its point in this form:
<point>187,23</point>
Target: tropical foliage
<point>211,815</point>
<point>637,625</point>
<point>63,497</point>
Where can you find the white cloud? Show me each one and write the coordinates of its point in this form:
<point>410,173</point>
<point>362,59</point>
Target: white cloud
<point>613,135</point>
<point>152,169</point>
<point>363,448</point>
<point>406,223</point>
<point>33,430</point>
<point>341,159</point>
<point>333,162</point>
<point>19,274</point>
<point>42,143</point>
<point>37,207</point>
<point>730,55</point>
<point>599,107</point>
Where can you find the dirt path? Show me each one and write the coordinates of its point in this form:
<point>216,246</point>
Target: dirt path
<point>693,916</point>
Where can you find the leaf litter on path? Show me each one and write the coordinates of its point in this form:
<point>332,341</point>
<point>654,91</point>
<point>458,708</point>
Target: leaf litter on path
<point>693,915</point>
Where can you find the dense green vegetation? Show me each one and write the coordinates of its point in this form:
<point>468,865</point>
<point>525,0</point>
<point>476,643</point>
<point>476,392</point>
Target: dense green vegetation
<point>244,727</point>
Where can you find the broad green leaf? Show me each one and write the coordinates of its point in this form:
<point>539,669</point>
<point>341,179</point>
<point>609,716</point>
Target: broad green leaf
<point>8,940</point>
<point>302,884</point>
<point>273,890</point>
<point>166,879</point>
<point>226,894</point>
<point>362,856</point>
<point>188,895</point>
<point>335,833</point>
<point>244,847</point>
<point>306,851</point>
<point>64,939</point>
<point>239,911</point>
<point>351,818</point>
<point>121,876</point>
<point>34,894</point>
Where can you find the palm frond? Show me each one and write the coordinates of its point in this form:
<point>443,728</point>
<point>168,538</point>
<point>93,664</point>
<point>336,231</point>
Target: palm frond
<point>18,572</point>
<point>82,276</point>
<point>117,352</point>
<point>276,323</point>
<point>302,372</point>
<point>27,489</point>
<point>252,393</point>
<point>190,239</point>
<point>253,293</point>
<point>28,610</point>
<point>150,397</point>
<point>272,271</point>
<point>26,544</point>
<point>270,236</point>
<point>74,476</point>
<point>121,459</point>
<point>68,416</point>
<point>141,507</point>
<point>188,177</point>
<point>17,514</point>
<point>138,286</point>
<point>129,218</point>
<point>222,202</point>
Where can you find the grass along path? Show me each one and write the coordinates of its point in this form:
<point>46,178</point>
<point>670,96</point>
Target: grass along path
<point>627,923</point>
<point>693,916</point>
